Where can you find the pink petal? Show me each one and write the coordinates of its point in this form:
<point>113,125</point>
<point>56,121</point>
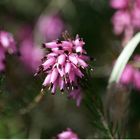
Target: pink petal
<point>54,87</point>
<point>73,59</point>
<point>61,71</point>
<point>61,83</point>
<point>79,49</point>
<point>57,50</point>
<point>54,75</point>
<point>52,55</point>
<point>78,73</point>
<point>72,76</point>
<point>127,75</point>
<point>61,59</point>
<point>51,45</point>
<point>67,67</point>
<point>47,80</point>
<point>49,62</point>
<point>82,62</point>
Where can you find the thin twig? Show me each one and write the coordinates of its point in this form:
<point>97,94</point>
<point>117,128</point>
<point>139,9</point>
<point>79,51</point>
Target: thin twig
<point>33,104</point>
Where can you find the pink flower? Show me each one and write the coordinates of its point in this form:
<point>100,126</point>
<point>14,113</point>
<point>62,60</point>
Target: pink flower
<point>126,20</point>
<point>68,134</point>
<point>30,55</point>
<point>7,42</point>
<point>76,94</point>
<point>127,75</point>
<point>131,74</point>
<point>50,26</point>
<point>117,4</point>
<point>121,21</point>
<point>7,45</point>
<point>64,65</point>
<point>136,17</point>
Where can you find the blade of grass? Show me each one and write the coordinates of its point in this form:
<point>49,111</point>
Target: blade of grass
<point>123,59</point>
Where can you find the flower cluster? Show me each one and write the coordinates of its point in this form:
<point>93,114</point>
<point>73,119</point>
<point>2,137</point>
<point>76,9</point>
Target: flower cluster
<point>131,74</point>
<point>68,134</point>
<point>127,18</point>
<point>64,65</point>
<point>7,45</point>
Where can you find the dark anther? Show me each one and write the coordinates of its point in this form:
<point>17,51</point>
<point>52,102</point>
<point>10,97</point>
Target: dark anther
<point>92,58</point>
<point>60,48</point>
<point>66,52</point>
<point>67,75</point>
<point>59,66</point>
<point>43,45</point>
<point>58,41</point>
<point>62,90</point>
<point>41,67</point>
<point>47,69</point>
<point>49,50</point>
<point>44,58</point>
<point>84,53</point>
<point>51,85</point>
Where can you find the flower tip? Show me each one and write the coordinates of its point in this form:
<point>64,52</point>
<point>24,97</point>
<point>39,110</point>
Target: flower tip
<point>43,45</point>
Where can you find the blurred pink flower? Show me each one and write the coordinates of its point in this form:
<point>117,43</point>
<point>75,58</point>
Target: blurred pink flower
<point>7,45</point>
<point>76,94</point>
<point>121,21</point>
<point>126,20</point>
<point>117,4</point>
<point>131,74</point>
<point>136,17</point>
<point>68,134</point>
<point>50,26</point>
<point>127,75</point>
<point>7,42</point>
<point>30,54</point>
<point>63,65</point>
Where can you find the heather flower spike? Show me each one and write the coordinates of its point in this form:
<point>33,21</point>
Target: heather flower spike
<point>7,42</point>
<point>7,45</point>
<point>68,134</point>
<point>30,54</point>
<point>63,65</point>
<point>126,19</point>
